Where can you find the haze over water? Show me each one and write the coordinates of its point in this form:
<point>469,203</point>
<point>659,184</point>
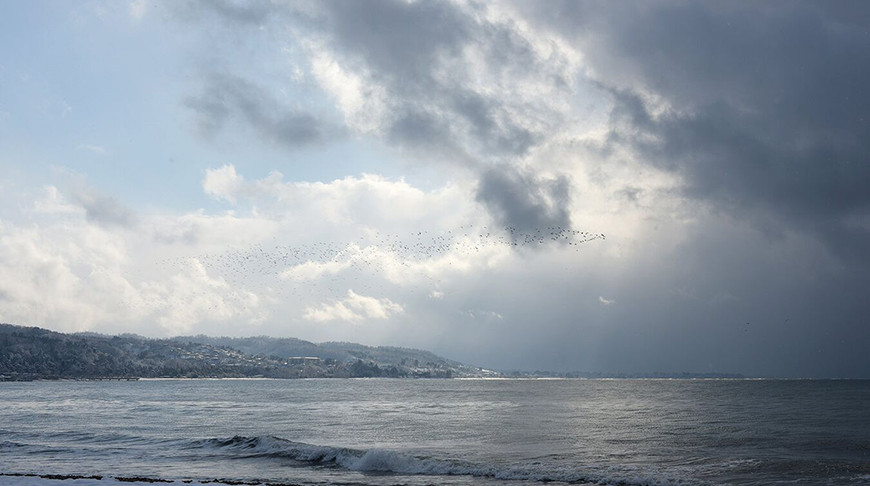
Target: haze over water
<point>468,432</point>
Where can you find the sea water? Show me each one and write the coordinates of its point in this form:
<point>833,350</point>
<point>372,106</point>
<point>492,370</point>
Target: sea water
<point>460,432</point>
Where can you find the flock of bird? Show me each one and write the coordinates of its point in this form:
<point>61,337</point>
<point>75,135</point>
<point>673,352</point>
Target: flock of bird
<point>335,267</point>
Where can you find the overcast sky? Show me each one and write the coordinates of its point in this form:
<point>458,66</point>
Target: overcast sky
<point>593,186</point>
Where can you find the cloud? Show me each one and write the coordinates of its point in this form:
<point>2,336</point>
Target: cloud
<point>138,8</point>
<point>206,232</point>
<point>193,296</point>
<point>524,202</point>
<point>460,78</point>
<point>353,308</point>
<point>226,97</point>
<point>451,75</point>
<point>104,209</point>
<point>402,50</point>
<point>76,268</point>
<point>720,147</point>
<point>223,183</point>
<point>760,110</point>
<point>365,201</point>
<point>467,85</point>
<point>486,315</point>
<point>101,209</point>
<point>54,202</point>
<point>311,270</point>
<point>96,149</point>
<point>245,13</point>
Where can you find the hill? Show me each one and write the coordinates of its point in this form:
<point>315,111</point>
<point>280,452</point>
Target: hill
<point>29,353</point>
<point>340,351</point>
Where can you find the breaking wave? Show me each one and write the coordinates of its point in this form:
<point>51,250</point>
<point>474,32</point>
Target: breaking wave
<point>393,462</point>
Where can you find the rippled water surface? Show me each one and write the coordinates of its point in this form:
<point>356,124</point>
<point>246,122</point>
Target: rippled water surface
<point>374,431</point>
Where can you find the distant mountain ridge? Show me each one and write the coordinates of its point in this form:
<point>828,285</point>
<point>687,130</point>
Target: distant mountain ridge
<point>341,351</point>
<point>28,353</point>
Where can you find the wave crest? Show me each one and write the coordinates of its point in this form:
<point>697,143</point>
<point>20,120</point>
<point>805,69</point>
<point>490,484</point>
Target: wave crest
<point>393,462</point>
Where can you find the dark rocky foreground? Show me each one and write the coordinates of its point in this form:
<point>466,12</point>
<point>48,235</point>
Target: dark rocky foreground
<point>32,353</point>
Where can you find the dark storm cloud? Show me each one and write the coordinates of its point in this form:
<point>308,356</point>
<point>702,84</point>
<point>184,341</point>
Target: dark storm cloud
<point>766,103</point>
<point>479,113</point>
<point>523,202</point>
<point>404,45</point>
<point>399,41</point>
<point>732,160</point>
<point>419,128</point>
<point>225,97</point>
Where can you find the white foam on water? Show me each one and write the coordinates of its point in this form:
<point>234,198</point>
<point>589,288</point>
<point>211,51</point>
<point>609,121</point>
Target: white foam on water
<point>394,462</point>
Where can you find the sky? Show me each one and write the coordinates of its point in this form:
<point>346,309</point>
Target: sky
<point>660,186</point>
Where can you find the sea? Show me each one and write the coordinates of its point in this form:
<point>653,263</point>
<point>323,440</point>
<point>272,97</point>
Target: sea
<point>437,432</point>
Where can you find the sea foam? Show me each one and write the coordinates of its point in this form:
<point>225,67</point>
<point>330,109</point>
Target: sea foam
<point>395,462</point>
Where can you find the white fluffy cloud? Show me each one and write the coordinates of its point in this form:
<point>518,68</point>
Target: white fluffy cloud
<point>223,183</point>
<point>356,202</point>
<point>353,308</point>
<point>166,273</point>
<point>68,271</point>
